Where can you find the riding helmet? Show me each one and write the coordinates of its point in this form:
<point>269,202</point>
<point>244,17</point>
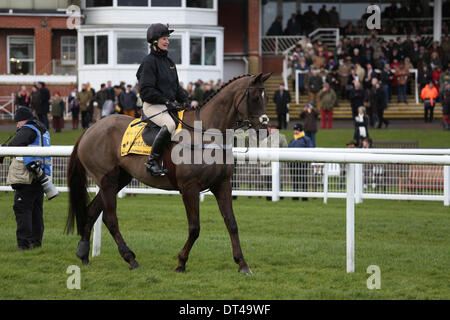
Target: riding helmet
<point>156,31</point>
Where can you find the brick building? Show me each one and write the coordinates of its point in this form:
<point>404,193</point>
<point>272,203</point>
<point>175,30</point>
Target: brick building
<point>36,45</point>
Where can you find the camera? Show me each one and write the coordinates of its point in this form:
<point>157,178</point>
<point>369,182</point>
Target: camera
<point>49,189</point>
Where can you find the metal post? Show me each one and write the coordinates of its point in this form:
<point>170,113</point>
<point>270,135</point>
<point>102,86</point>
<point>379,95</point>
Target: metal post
<point>275,181</point>
<point>437,20</point>
<point>358,182</point>
<point>325,183</point>
<point>97,237</point>
<point>350,219</point>
<point>446,185</point>
<point>416,91</point>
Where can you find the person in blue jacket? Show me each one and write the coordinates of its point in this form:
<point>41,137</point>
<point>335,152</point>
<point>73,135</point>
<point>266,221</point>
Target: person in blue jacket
<point>299,170</point>
<point>29,193</point>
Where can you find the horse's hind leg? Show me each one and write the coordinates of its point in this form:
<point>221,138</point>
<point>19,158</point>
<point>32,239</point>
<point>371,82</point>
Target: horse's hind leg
<point>93,211</point>
<point>111,184</point>
<point>222,193</point>
<point>191,203</point>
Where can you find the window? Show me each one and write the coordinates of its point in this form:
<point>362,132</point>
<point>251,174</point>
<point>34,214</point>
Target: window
<point>196,50</point>
<point>208,4</point>
<point>132,3</point>
<point>203,51</point>
<point>102,49</point>
<point>175,50</point>
<point>21,55</point>
<point>96,50</point>
<point>131,50</point>
<point>166,3</point>
<point>210,51</point>
<point>89,50</point>
<point>99,3</point>
<point>68,50</point>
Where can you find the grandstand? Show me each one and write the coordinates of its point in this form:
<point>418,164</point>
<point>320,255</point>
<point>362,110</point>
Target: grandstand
<point>395,110</point>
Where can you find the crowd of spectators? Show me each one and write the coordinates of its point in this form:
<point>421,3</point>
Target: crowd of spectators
<point>369,71</point>
<point>396,19</point>
<point>92,105</point>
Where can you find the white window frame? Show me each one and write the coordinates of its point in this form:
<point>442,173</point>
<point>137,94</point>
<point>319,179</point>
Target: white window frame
<point>8,56</point>
<point>68,61</point>
<point>126,36</point>
<point>179,37</point>
<point>95,49</point>
<point>202,36</point>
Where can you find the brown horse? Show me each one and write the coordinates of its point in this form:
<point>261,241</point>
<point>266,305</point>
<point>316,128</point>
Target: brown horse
<point>97,153</point>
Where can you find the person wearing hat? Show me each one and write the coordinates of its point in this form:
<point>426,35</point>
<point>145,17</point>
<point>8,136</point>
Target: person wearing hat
<point>309,115</point>
<point>160,91</point>
<point>29,194</point>
<point>299,170</point>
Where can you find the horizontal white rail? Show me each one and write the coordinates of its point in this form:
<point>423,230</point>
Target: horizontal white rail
<point>333,155</point>
<point>298,154</point>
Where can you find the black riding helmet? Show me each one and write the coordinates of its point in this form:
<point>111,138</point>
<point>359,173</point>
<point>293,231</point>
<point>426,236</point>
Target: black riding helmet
<point>156,31</point>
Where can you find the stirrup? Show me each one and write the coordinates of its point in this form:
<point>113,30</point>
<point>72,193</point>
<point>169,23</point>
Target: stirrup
<point>153,168</point>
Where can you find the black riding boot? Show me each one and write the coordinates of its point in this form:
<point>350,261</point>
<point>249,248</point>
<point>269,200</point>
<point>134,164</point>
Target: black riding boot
<point>158,146</point>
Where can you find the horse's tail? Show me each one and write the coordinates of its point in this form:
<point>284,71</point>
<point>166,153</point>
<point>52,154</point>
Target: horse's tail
<point>78,195</point>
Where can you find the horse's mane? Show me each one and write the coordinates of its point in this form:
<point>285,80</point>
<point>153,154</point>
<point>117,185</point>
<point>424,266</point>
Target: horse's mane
<point>222,87</point>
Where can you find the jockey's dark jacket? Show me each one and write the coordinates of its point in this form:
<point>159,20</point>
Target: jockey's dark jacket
<point>25,135</point>
<point>158,79</point>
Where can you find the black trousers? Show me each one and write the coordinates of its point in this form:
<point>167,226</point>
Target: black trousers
<point>282,124</point>
<point>85,119</point>
<point>381,119</point>
<point>428,113</point>
<point>44,119</point>
<point>28,208</point>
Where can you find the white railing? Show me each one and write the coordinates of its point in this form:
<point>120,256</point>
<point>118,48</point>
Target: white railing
<point>353,174</point>
<point>277,45</point>
<point>7,107</point>
<point>329,36</point>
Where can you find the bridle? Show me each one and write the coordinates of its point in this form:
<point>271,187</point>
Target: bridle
<point>240,122</point>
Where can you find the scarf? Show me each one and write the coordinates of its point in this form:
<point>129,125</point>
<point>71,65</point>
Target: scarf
<point>300,135</point>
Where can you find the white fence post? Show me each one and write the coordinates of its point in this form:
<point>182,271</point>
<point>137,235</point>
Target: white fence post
<point>446,185</point>
<point>325,182</point>
<point>275,181</point>
<point>97,237</point>
<point>358,182</point>
<point>350,217</point>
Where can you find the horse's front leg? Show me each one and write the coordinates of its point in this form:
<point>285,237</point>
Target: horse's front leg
<point>222,192</point>
<point>190,196</point>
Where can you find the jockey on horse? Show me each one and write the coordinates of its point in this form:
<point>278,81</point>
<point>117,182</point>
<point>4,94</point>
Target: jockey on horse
<point>160,91</point>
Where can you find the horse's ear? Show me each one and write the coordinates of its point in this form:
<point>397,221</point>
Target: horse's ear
<point>257,78</point>
<point>266,76</point>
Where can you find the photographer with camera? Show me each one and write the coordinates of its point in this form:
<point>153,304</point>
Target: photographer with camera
<point>29,177</point>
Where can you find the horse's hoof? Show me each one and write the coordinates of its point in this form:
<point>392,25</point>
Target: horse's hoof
<point>85,261</point>
<point>245,270</point>
<point>180,269</point>
<point>134,265</point>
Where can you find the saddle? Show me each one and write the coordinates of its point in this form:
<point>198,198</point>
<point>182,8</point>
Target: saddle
<point>138,139</point>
